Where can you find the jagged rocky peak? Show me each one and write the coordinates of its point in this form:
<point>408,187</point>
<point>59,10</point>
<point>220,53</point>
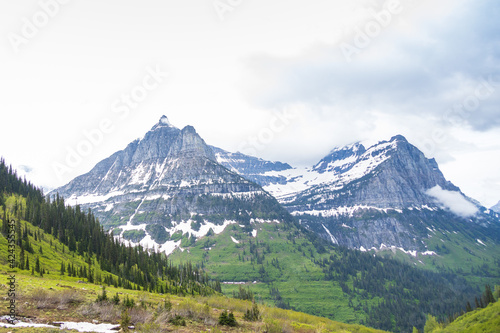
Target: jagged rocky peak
<point>163,122</point>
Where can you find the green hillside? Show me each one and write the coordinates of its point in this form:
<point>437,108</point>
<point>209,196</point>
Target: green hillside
<point>484,320</point>
<point>477,259</point>
<point>289,267</point>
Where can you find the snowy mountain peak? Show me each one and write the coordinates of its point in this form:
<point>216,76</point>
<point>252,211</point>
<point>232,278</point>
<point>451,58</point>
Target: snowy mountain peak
<point>340,158</point>
<point>400,138</point>
<point>163,122</point>
<point>354,147</point>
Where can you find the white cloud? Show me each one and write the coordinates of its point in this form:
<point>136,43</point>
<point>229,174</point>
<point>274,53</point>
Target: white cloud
<point>454,201</point>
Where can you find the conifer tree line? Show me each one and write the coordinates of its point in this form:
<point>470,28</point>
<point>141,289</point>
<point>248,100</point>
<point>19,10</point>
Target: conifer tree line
<point>406,294</point>
<point>82,233</point>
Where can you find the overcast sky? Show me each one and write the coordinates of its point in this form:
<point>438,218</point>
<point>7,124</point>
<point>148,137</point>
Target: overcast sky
<point>282,80</point>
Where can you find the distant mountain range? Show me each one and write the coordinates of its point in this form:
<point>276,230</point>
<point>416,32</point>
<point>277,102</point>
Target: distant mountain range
<point>171,182</point>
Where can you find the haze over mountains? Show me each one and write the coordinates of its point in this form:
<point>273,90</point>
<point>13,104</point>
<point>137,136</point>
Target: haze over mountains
<point>171,181</point>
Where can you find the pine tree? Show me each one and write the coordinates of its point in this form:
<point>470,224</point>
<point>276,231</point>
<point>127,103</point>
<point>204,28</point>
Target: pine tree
<point>468,307</point>
<point>103,296</point>
<point>116,299</point>
<point>37,265</point>
<point>62,268</point>
<point>231,321</point>
<point>21,259</point>
<point>488,296</point>
<point>5,223</point>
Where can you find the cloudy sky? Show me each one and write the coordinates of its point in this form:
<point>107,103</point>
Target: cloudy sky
<point>282,80</point>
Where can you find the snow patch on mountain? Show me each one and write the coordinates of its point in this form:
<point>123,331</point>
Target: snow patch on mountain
<point>186,228</point>
<point>90,198</point>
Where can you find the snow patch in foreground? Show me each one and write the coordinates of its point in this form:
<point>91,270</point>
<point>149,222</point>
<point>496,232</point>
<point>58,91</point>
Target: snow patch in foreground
<point>80,327</point>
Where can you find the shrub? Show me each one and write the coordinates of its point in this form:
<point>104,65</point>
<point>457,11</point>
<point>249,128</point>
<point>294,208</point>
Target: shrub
<point>116,299</point>
<point>140,315</point>
<point>227,319</point>
<point>150,328</point>
<point>128,302</point>
<point>252,314</point>
<point>104,311</point>
<point>44,299</point>
<point>177,321</point>
<point>103,296</point>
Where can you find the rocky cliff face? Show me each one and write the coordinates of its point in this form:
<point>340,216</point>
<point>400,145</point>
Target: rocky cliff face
<point>169,184</point>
